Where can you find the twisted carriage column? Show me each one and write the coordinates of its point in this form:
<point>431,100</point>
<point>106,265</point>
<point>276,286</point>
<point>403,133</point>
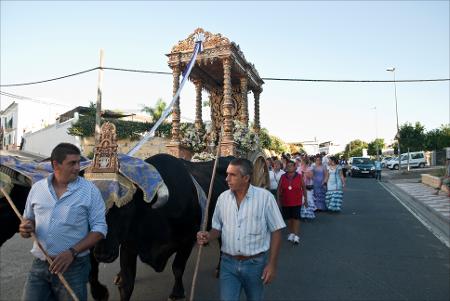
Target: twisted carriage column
<point>257,125</point>
<point>213,117</point>
<point>174,147</point>
<point>212,139</point>
<point>244,111</point>
<point>176,106</point>
<point>198,105</point>
<point>228,145</point>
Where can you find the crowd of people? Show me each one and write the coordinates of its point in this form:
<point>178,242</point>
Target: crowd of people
<point>249,219</point>
<point>67,213</point>
<point>304,185</point>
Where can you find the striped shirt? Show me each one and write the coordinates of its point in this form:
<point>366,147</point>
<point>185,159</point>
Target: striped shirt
<point>246,230</point>
<point>62,223</point>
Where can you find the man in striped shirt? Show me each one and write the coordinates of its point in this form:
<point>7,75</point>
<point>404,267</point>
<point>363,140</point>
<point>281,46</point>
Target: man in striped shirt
<point>67,214</point>
<point>248,220</point>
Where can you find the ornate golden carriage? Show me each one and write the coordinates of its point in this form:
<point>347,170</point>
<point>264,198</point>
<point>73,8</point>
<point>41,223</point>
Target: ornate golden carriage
<point>222,70</point>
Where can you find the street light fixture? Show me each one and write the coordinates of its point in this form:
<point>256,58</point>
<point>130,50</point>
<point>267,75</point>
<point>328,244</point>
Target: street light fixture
<point>396,114</point>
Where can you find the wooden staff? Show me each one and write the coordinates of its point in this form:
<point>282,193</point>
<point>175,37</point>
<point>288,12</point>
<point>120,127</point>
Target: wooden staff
<point>205,218</point>
<point>33,236</point>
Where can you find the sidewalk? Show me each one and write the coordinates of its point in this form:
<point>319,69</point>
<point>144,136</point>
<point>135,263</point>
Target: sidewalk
<point>429,205</point>
<point>440,202</point>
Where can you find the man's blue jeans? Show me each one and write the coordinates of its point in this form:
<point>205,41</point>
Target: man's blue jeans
<point>378,174</point>
<point>42,285</point>
<point>236,275</point>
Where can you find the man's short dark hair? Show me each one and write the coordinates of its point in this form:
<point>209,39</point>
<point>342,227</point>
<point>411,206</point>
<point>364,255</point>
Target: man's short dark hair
<point>60,152</point>
<point>245,166</point>
<point>290,162</point>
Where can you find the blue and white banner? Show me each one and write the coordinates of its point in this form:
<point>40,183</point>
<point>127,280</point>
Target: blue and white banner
<point>187,71</point>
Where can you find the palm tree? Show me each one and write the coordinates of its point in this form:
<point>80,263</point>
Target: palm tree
<point>157,110</point>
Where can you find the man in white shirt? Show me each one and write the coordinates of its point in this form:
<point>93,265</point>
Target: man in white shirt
<point>274,176</point>
<point>325,160</point>
<point>249,222</point>
<point>67,214</point>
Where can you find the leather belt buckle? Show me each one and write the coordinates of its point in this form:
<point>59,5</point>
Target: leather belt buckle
<point>243,258</point>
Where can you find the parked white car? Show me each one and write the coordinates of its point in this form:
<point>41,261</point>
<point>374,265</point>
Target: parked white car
<point>416,159</point>
<point>385,160</point>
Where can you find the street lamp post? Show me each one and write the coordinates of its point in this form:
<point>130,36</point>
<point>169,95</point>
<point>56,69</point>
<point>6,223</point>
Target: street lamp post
<point>376,133</point>
<point>396,114</point>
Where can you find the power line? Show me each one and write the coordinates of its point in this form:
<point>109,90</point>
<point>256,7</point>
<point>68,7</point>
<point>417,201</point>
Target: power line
<point>136,70</point>
<point>297,79</point>
<point>264,78</point>
<point>355,81</point>
<point>49,80</point>
<point>20,97</point>
<point>86,71</point>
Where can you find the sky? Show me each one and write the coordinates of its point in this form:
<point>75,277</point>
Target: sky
<point>356,40</point>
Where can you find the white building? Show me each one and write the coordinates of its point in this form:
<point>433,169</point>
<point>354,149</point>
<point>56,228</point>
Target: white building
<point>43,141</point>
<point>330,148</point>
<point>310,147</point>
<point>314,147</point>
<point>8,127</point>
<point>21,117</point>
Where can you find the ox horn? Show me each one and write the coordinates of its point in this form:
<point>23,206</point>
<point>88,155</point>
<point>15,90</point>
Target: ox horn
<point>163,196</point>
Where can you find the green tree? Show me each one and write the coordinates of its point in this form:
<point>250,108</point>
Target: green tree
<point>264,138</point>
<point>277,145</point>
<point>340,154</point>
<point>438,138</point>
<point>274,143</point>
<point>374,145</point>
<point>295,148</point>
<point>355,148</point>
<point>395,147</point>
<point>92,110</point>
<point>156,111</point>
<point>412,137</point>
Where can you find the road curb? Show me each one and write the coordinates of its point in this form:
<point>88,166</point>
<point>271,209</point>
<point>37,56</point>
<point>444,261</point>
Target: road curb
<point>434,221</point>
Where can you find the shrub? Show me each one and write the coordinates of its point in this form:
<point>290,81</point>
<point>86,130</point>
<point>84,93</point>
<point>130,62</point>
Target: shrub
<point>133,130</point>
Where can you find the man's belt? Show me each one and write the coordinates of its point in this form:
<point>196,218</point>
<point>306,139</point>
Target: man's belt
<point>242,257</point>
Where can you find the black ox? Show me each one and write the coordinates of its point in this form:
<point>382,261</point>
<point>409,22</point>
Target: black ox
<point>137,229</point>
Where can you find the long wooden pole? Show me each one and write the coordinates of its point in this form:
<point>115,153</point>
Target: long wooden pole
<point>33,236</point>
<point>205,218</point>
<point>98,111</point>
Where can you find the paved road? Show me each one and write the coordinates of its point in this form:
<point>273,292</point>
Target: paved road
<point>373,250</point>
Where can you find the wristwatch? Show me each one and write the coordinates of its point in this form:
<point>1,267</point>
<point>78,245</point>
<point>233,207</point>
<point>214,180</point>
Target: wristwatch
<point>74,252</point>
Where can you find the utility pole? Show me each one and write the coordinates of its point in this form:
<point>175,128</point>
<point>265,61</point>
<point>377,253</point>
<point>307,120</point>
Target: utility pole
<point>98,111</point>
<point>396,114</point>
